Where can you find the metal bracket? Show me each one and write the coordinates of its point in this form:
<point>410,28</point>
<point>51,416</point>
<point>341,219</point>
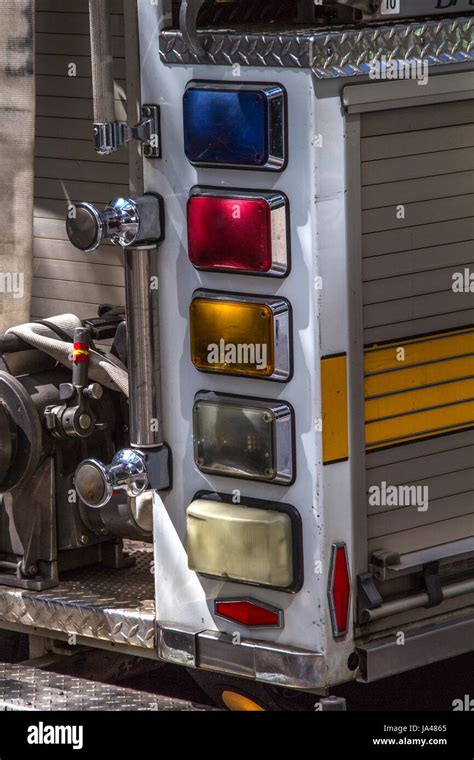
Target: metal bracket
<point>332,704</point>
<point>368,6</point>
<point>109,136</point>
<point>432,584</point>
<point>158,466</point>
<point>368,596</point>
<point>381,562</point>
<point>188,13</point>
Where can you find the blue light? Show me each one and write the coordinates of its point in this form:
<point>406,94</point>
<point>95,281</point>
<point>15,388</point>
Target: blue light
<point>226,126</point>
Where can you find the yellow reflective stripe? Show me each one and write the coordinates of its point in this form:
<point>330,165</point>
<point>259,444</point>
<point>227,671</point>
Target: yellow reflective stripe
<point>334,408</point>
<point>415,377</point>
<point>419,425</point>
<point>423,398</point>
<point>425,391</point>
<point>419,350</point>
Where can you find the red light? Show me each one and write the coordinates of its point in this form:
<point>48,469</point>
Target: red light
<point>237,232</point>
<point>340,589</point>
<point>248,613</point>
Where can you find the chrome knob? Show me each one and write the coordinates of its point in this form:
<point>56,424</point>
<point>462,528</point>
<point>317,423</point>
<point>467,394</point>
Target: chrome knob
<point>96,483</point>
<point>124,221</point>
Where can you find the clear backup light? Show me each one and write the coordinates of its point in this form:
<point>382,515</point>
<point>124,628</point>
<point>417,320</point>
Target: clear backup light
<point>235,125</point>
<point>238,231</point>
<point>244,438</point>
<point>241,335</point>
<point>245,542</point>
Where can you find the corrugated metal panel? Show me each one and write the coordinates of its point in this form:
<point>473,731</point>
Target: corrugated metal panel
<point>409,191</point>
<point>414,167</point>
<point>417,261</point>
<point>440,510</point>
<point>429,534</point>
<point>420,141</point>
<point>418,231</point>
<point>417,217</point>
<point>420,117</point>
<point>423,212</point>
<point>67,168</point>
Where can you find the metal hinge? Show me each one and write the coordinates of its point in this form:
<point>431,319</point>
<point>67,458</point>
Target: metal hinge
<point>110,135</point>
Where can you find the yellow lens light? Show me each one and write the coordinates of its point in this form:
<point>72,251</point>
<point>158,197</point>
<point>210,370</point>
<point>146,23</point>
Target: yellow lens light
<point>241,543</point>
<point>238,703</point>
<point>239,335</point>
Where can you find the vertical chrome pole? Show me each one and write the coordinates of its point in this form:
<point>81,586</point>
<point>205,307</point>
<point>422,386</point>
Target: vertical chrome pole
<point>146,428</point>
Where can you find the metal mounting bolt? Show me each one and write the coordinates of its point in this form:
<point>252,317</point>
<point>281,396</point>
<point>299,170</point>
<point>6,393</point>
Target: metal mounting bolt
<point>84,422</point>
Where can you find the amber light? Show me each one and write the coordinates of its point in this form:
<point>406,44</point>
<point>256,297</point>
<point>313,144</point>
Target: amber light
<point>240,335</point>
<point>218,328</point>
<point>240,703</point>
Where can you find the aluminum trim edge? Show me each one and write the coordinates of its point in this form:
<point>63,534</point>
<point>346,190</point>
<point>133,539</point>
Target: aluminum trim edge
<point>261,660</point>
<point>385,657</point>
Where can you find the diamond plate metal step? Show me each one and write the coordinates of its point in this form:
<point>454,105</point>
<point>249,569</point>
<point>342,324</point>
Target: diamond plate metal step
<point>114,606</point>
<point>25,688</point>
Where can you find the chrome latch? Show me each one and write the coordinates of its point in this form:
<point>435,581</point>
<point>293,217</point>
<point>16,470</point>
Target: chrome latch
<point>110,135</point>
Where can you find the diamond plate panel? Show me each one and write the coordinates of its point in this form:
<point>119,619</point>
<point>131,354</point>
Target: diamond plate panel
<point>331,52</point>
<point>113,605</point>
<point>24,688</point>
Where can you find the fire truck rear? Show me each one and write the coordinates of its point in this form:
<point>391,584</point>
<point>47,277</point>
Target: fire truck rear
<point>256,459</point>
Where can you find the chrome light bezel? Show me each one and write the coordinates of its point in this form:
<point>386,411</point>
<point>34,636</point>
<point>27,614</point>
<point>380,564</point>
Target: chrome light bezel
<point>282,332</point>
<point>280,228</point>
<point>283,436</point>
<point>277,121</point>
